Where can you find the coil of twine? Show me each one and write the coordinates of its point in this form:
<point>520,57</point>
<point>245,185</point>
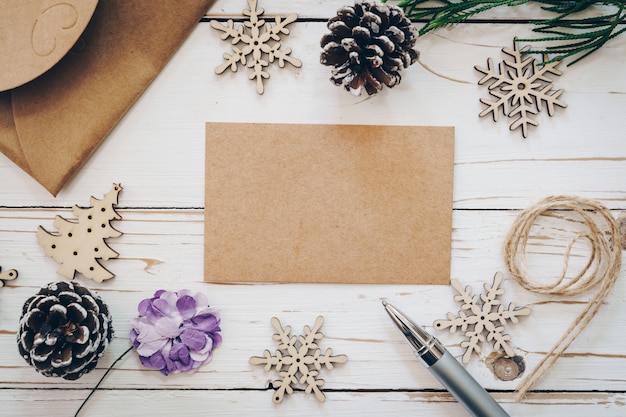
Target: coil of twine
<point>601,270</point>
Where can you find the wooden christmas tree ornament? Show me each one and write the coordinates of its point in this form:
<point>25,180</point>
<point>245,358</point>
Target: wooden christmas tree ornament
<point>298,360</point>
<point>261,44</point>
<point>79,245</point>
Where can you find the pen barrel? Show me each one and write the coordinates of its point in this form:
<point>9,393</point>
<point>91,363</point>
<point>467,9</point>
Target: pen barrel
<point>465,388</point>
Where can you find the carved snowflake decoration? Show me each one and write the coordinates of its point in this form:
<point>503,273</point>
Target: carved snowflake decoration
<point>486,321</point>
<point>298,360</point>
<point>8,275</point>
<point>261,39</point>
<point>520,88</point>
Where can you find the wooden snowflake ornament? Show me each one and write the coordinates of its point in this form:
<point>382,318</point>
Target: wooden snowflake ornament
<point>520,88</point>
<point>8,275</point>
<point>482,322</point>
<point>261,44</point>
<point>298,360</point>
<point>79,245</point>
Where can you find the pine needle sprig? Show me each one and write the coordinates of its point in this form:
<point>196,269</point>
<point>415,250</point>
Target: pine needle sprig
<point>571,36</point>
<point>449,12</point>
<point>581,36</point>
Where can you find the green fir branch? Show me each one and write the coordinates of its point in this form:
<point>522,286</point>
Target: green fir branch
<point>579,37</point>
<point>567,36</point>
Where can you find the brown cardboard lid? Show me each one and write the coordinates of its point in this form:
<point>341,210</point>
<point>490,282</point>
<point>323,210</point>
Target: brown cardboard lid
<point>36,34</point>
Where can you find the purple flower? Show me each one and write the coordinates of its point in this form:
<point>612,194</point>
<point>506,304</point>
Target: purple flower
<point>175,331</point>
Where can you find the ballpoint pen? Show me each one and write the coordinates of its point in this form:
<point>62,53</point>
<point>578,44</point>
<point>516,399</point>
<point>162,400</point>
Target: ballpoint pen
<point>445,368</point>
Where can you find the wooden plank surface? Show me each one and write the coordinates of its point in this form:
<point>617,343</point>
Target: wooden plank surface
<point>157,153</point>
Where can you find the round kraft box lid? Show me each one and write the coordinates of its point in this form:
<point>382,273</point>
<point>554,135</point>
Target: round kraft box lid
<point>36,34</point>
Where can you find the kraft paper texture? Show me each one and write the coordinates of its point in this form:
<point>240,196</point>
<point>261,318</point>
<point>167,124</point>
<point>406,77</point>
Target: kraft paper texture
<point>328,203</point>
<point>51,125</point>
<point>36,34</point>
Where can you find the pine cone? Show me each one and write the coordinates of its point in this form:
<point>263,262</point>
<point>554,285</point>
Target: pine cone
<point>368,45</point>
<point>64,330</point>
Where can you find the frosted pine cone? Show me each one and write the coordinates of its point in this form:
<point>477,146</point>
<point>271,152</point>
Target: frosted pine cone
<point>368,46</point>
<point>64,330</point>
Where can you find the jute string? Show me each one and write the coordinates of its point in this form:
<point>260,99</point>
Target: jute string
<point>601,270</point>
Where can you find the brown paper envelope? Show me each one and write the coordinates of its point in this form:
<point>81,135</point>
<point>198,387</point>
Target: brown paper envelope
<point>60,118</point>
<point>328,203</point>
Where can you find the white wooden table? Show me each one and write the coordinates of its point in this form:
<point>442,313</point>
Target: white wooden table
<point>157,153</point>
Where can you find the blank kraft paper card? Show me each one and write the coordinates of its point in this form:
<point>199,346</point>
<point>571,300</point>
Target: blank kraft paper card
<point>328,203</point>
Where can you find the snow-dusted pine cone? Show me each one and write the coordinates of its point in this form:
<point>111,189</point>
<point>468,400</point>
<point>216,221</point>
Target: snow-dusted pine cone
<point>64,330</point>
<point>368,46</point>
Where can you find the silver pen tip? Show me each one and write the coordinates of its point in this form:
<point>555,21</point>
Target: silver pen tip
<point>425,345</point>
